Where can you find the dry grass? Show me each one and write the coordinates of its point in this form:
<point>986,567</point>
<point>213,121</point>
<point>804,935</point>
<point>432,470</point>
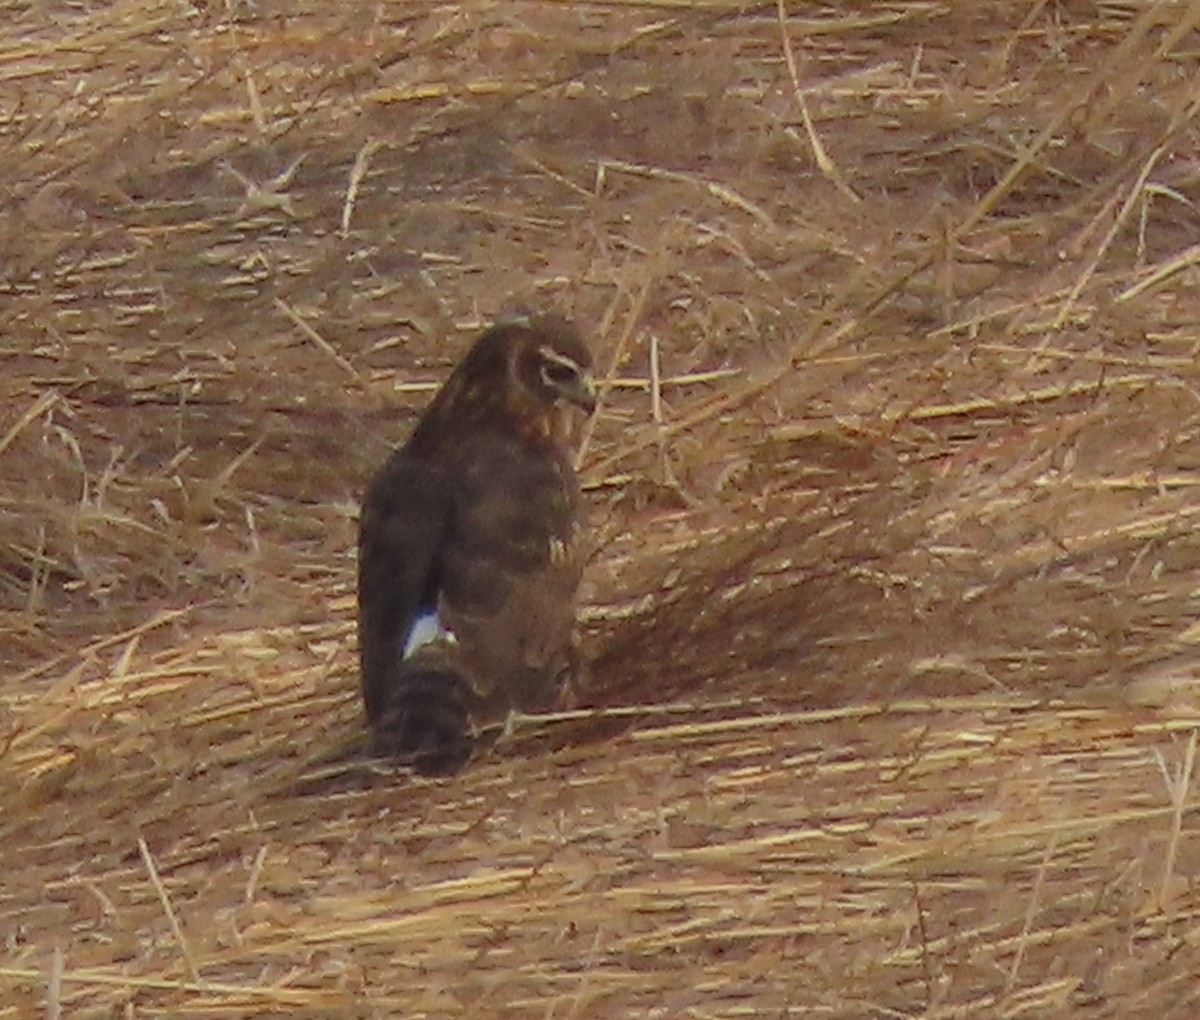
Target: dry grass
<point>893,708</point>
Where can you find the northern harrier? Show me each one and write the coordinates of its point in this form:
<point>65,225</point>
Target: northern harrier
<point>468,561</point>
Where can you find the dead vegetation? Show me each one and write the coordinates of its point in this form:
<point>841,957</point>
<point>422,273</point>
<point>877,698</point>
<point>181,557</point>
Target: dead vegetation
<point>893,607</point>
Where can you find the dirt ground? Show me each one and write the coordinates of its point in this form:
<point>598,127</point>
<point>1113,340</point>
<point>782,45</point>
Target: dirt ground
<point>893,613</point>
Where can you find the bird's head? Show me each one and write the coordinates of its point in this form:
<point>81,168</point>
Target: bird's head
<point>530,372</point>
<point>549,374</point>
<point>549,366</point>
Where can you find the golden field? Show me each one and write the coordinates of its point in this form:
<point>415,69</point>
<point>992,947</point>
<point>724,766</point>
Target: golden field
<point>893,606</point>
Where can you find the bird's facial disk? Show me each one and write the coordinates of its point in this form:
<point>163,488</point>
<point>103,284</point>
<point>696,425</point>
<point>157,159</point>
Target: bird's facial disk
<point>564,379</point>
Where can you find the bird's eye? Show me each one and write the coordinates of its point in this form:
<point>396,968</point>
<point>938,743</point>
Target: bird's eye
<point>555,373</point>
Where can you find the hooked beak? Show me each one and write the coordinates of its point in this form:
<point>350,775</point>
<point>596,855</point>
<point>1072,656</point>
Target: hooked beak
<point>582,393</point>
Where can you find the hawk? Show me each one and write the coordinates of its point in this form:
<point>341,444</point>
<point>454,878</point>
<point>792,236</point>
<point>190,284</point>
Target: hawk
<point>468,557</point>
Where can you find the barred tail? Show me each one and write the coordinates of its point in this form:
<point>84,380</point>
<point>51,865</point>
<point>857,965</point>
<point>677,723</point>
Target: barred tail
<point>421,718</point>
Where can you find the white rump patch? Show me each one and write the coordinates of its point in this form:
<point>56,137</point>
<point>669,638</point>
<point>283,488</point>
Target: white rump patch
<point>426,629</point>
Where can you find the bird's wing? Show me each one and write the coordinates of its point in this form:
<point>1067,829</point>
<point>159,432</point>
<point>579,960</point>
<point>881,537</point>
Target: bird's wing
<point>508,576</point>
<point>401,537</point>
<point>510,508</point>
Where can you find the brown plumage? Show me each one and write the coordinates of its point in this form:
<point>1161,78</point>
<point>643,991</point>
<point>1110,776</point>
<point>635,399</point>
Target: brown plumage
<point>468,561</point>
